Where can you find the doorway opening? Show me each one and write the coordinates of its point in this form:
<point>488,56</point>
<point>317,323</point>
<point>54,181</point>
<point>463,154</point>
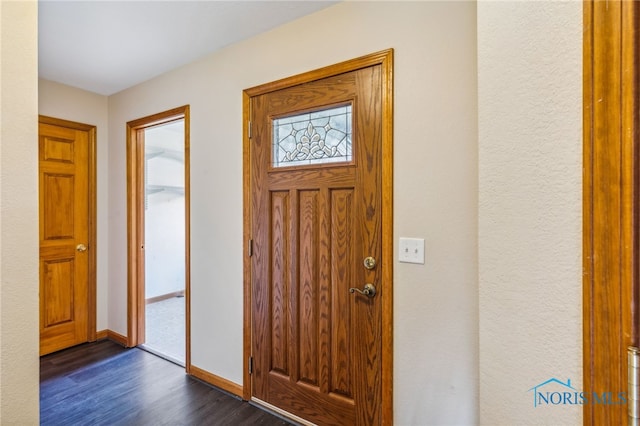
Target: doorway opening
<point>164,228</point>
<point>158,160</point>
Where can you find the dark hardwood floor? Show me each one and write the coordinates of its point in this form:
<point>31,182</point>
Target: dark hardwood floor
<point>105,384</point>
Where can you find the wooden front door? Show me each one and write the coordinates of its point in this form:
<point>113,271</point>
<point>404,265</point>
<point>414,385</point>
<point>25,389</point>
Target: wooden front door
<point>317,213</point>
<point>67,276</point>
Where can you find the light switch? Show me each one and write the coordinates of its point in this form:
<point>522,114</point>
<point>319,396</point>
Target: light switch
<point>411,250</point>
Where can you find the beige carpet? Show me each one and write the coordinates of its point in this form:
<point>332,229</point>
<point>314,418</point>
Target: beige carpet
<point>165,328</point>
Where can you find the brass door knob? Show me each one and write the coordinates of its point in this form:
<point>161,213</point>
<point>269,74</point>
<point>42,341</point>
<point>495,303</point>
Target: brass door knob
<point>81,247</point>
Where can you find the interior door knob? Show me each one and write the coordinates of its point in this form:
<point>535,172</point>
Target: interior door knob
<point>81,247</point>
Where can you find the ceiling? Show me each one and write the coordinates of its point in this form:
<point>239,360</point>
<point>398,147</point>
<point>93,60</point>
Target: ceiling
<point>108,46</point>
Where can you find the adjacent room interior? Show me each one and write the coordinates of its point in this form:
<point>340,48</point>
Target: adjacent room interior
<point>164,240</point>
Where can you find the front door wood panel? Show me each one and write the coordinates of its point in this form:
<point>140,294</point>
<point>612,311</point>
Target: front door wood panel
<point>317,348</point>
<point>67,308</point>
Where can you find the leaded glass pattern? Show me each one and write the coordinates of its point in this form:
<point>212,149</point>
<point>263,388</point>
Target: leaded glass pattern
<point>317,137</point>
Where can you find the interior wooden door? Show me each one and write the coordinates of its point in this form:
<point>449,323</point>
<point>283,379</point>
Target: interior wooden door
<point>67,294</point>
<point>317,287</point>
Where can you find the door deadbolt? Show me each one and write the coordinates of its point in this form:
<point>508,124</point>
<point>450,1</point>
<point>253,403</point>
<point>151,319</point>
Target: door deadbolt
<point>369,263</point>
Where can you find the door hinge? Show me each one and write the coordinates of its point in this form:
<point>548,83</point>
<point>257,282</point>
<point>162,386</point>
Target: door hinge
<point>249,130</point>
<point>250,365</point>
<point>250,248</point>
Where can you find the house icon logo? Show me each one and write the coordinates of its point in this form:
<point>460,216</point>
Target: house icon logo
<point>538,396</point>
<point>556,392</point>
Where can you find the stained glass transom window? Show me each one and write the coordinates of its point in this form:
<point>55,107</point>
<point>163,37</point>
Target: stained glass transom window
<point>313,138</point>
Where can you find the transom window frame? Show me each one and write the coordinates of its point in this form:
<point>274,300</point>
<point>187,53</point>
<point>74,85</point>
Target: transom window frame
<point>273,167</point>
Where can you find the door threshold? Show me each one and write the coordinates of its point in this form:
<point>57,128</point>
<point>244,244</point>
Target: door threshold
<point>164,356</point>
<point>280,412</point>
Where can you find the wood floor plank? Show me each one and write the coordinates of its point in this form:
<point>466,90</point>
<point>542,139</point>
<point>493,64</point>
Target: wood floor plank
<point>105,384</point>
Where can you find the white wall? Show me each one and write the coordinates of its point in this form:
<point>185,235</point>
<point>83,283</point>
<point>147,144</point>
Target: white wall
<point>436,305</point>
<point>164,247</point>
<point>68,103</point>
<point>164,235</point>
<point>530,83</point>
<point>164,240</point>
<point>19,349</point>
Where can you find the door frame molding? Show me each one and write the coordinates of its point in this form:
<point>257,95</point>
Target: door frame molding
<point>92,222</point>
<point>135,224</point>
<point>385,60</point>
<point>610,200</point>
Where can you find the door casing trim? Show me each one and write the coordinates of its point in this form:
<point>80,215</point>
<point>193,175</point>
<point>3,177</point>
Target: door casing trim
<point>135,226</point>
<point>385,60</point>
<point>610,200</point>
<point>92,222</point>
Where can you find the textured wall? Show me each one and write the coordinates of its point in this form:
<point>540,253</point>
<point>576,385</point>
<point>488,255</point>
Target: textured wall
<point>530,83</point>
<point>19,363</point>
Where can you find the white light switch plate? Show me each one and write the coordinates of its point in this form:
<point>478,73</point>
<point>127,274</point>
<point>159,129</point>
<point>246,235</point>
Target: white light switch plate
<point>411,250</point>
